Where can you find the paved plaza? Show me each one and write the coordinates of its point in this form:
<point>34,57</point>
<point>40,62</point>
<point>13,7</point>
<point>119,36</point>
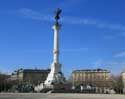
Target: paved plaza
<point>58,96</point>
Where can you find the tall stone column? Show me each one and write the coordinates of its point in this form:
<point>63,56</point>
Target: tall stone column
<point>56,29</point>
<point>55,76</point>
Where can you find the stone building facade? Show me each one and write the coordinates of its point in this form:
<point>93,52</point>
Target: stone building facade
<point>97,80</point>
<point>123,81</point>
<point>3,81</point>
<point>33,76</point>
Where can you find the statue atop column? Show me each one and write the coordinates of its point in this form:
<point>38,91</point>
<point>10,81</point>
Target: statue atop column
<point>57,15</point>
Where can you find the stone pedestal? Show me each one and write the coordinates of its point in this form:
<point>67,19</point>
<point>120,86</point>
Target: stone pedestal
<point>55,76</point>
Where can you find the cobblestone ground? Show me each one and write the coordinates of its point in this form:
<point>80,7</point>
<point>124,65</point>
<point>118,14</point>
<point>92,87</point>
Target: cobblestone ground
<point>58,96</point>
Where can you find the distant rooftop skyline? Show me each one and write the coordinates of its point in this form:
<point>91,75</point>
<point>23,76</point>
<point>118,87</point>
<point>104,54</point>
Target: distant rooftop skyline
<point>92,34</point>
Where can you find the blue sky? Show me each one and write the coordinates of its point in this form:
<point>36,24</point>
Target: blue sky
<point>92,34</point>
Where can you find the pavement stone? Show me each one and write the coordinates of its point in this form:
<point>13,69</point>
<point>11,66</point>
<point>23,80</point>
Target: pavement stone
<point>59,96</point>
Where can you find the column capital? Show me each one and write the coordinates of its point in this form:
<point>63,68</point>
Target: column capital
<point>56,26</point>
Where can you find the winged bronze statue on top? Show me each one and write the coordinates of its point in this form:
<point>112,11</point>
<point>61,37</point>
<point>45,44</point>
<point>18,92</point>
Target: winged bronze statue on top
<point>57,17</point>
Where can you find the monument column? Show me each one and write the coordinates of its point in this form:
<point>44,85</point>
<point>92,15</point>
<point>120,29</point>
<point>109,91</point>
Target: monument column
<point>56,29</point>
<point>55,76</point>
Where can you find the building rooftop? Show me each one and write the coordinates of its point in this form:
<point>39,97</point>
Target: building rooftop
<point>30,70</point>
<point>92,70</point>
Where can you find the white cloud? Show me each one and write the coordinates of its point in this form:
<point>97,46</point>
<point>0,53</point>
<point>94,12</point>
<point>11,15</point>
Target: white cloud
<point>121,54</point>
<point>50,50</point>
<point>75,50</point>
<point>114,36</point>
<point>109,37</point>
<point>98,62</point>
<point>115,66</point>
<point>35,15</point>
<point>29,13</point>
<point>93,22</point>
<point>71,3</point>
<point>122,34</point>
<point>34,51</point>
<point>111,63</point>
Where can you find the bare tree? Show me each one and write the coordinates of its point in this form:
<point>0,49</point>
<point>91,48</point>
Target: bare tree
<point>117,83</point>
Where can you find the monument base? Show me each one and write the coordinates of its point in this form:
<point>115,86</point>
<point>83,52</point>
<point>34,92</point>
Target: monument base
<point>55,76</point>
<point>57,88</point>
<point>55,79</point>
<point>53,87</point>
